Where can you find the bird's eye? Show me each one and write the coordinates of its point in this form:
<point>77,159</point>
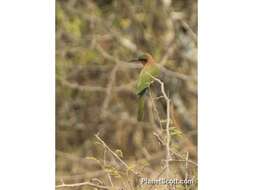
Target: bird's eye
<point>143,59</point>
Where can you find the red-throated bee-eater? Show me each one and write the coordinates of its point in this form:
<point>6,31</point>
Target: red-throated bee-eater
<point>149,70</point>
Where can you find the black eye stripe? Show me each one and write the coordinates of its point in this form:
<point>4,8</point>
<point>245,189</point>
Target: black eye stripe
<point>142,59</point>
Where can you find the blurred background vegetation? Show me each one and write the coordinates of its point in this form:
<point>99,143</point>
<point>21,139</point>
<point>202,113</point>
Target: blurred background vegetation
<point>95,88</point>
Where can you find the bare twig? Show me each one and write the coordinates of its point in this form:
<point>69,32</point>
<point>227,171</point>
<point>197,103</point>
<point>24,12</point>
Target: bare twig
<point>157,98</point>
<point>165,57</point>
<point>108,56</point>
<point>175,74</point>
<point>154,107</point>
<point>86,174</point>
<point>168,156</point>
<point>191,32</point>
<point>158,138</point>
<point>116,156</point>
<point>180,156</point>
<point>108,174</point>
<point>81,87</point>
<point>74,85</point>
<point>83,184</point>
<point>186,167</point>
<point>109,89</point>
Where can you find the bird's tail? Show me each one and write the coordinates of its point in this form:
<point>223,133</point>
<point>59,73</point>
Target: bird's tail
<point>140,108</point>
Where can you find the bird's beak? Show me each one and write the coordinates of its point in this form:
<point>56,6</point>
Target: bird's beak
<point>134,60</point>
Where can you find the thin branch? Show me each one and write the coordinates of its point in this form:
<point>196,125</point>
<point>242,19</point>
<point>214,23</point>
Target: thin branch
<point>81,87</point>
<point>158,138</point>
<point>191,32</point>
<point>89,88</point>
<point>186,167</point>
<point>116,156</point>
<point>108,56</point>
<point>83,184</point>
<point>168,156</point>
<point>190,161</point>
<point>108,174</point>
<point>154,107</point>
<point>83,175</point>
<point>109,89</point>
<point>175,74</point>
<point>157,98</point>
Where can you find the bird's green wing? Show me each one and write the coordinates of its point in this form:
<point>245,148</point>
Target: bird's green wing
<point>145,78</point>
<point>141,102</point>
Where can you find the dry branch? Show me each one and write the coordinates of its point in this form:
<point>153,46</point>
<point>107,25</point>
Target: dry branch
<point>109,89</point>
<point>83,184</point>
<point>116,156</point>
<point>168,156</point>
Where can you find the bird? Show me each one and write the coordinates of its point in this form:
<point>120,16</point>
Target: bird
<point>146,77</point>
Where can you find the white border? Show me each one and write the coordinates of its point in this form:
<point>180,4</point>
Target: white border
<point>27,122</point>
<point>225,94</point>
<point>27,94</point>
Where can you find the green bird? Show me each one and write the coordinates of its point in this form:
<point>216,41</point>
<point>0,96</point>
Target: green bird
<point>149,69</point>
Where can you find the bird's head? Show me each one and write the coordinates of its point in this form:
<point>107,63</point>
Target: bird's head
<point>143,58</point>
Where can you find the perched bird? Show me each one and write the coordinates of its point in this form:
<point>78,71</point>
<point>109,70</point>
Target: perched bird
<point>149,69</point>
